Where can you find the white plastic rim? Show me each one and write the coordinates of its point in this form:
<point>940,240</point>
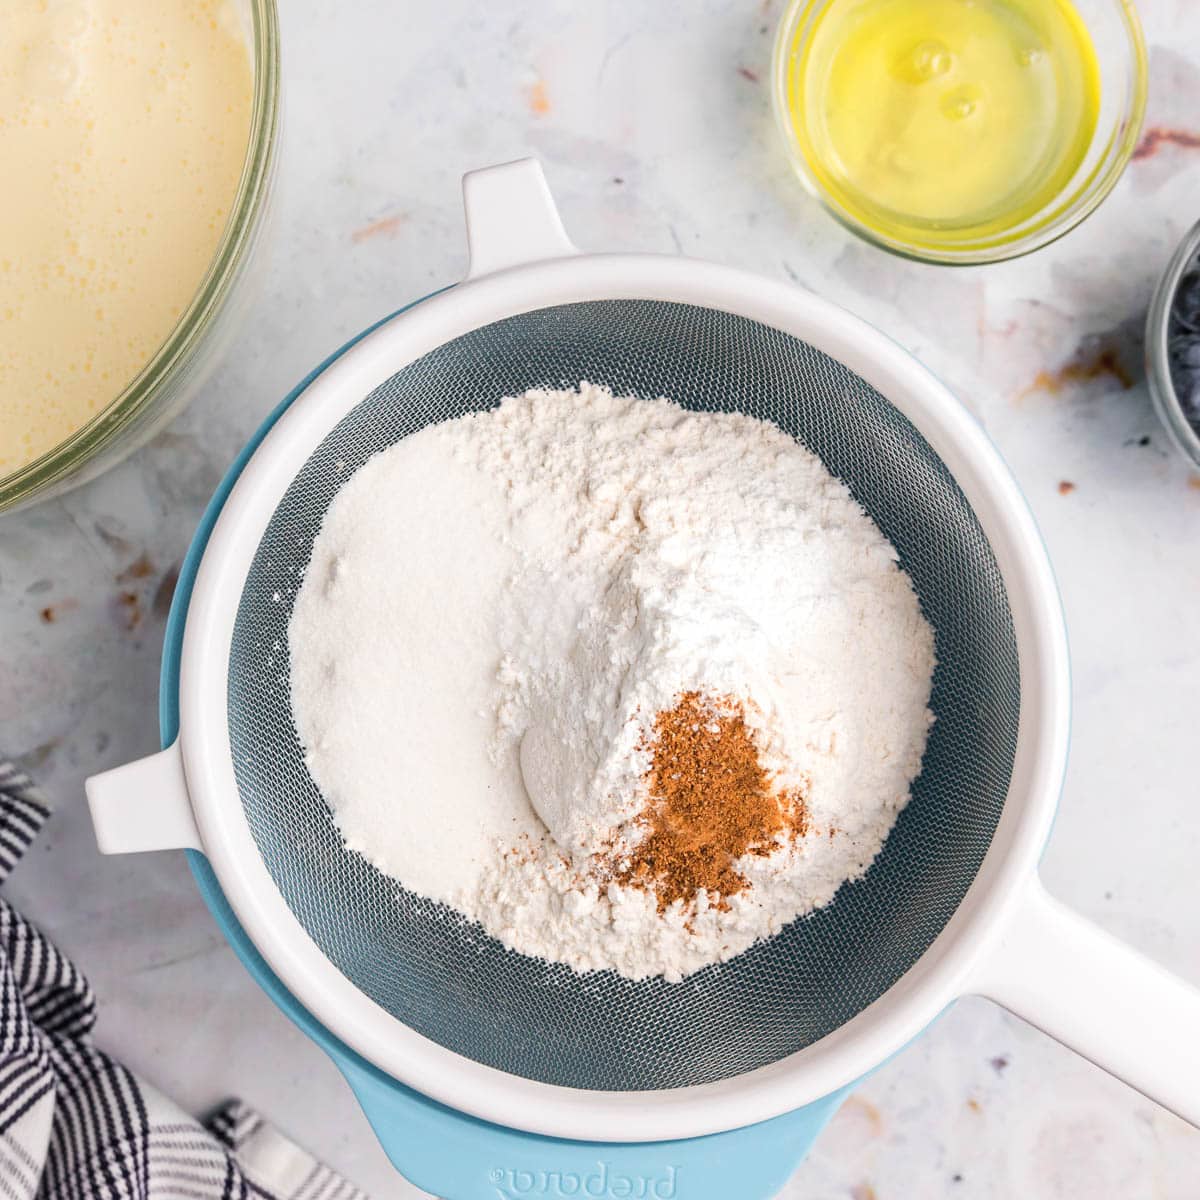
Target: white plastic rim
<point>1007,939</point>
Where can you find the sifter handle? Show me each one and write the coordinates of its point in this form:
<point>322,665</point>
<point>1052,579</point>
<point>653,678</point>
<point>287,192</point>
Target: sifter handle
<point>1102,998</point>
<point>143,805</point>
<point>511,218</point>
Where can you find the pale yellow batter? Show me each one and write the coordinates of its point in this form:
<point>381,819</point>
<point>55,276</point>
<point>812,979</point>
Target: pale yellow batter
<point>123,129</point>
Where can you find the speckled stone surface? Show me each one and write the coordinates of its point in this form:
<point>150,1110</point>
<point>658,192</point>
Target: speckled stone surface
<point>654,126</point>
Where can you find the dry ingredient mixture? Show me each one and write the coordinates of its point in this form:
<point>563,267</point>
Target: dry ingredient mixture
<point>633,687</point>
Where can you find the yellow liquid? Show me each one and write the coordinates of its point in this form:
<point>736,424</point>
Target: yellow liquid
<point>123,129</point>
<point>944,122</point>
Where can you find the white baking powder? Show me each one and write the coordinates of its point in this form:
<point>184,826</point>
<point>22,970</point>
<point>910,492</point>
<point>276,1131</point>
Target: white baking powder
<point>496,609</point>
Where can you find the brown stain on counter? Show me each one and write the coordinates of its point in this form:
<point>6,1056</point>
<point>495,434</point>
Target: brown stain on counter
<point>385,226</point>
<point>539,99</point>
<point>60,608</point>
<point>140,568</point>
<point>874,1117</point>
<point>1066,487</point>
<point>1105,362</point>
<point>129,610</point>
<point>1157,136</point>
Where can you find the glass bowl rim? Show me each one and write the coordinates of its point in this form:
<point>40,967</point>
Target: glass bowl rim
<point>1058,219</point>
<point>1161,386</point>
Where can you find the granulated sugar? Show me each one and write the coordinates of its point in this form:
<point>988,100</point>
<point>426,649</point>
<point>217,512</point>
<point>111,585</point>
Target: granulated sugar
<point>498,608</point>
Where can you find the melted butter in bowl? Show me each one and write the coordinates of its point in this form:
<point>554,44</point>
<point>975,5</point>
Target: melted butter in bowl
<point>125,124</point>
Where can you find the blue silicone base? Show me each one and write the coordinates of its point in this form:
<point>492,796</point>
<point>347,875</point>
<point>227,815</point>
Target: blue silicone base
<point>450,1154</point>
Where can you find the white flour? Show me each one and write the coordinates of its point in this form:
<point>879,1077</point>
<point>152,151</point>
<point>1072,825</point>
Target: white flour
<point>505,601</point>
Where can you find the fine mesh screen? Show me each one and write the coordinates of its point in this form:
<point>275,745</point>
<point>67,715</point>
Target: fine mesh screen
<point>449,980</point>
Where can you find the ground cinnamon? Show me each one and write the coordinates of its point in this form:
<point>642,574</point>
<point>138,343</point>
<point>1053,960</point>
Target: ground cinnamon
<point>710,803</point>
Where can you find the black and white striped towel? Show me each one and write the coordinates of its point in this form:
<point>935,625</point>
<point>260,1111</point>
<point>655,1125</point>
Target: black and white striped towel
<point>74,1124</point>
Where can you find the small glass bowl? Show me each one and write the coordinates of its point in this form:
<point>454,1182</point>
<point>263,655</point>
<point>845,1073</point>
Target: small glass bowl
<point>1158,364</point>
<point>1121,52</point>
<point>173,376</point>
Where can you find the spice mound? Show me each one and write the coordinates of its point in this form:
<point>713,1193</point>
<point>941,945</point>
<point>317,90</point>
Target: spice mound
<point>710,802</point>
<point>630,686</point>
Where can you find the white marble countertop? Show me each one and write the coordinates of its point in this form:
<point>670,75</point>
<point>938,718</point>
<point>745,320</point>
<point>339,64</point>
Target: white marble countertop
<point>654,126</point>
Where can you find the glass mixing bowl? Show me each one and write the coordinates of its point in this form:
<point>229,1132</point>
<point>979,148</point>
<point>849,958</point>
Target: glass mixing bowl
<point>1121,53</point>
<point>173,376</point>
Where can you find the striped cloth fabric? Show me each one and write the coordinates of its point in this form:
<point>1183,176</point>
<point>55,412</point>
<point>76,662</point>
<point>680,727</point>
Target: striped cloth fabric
<point>74,1124</point>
